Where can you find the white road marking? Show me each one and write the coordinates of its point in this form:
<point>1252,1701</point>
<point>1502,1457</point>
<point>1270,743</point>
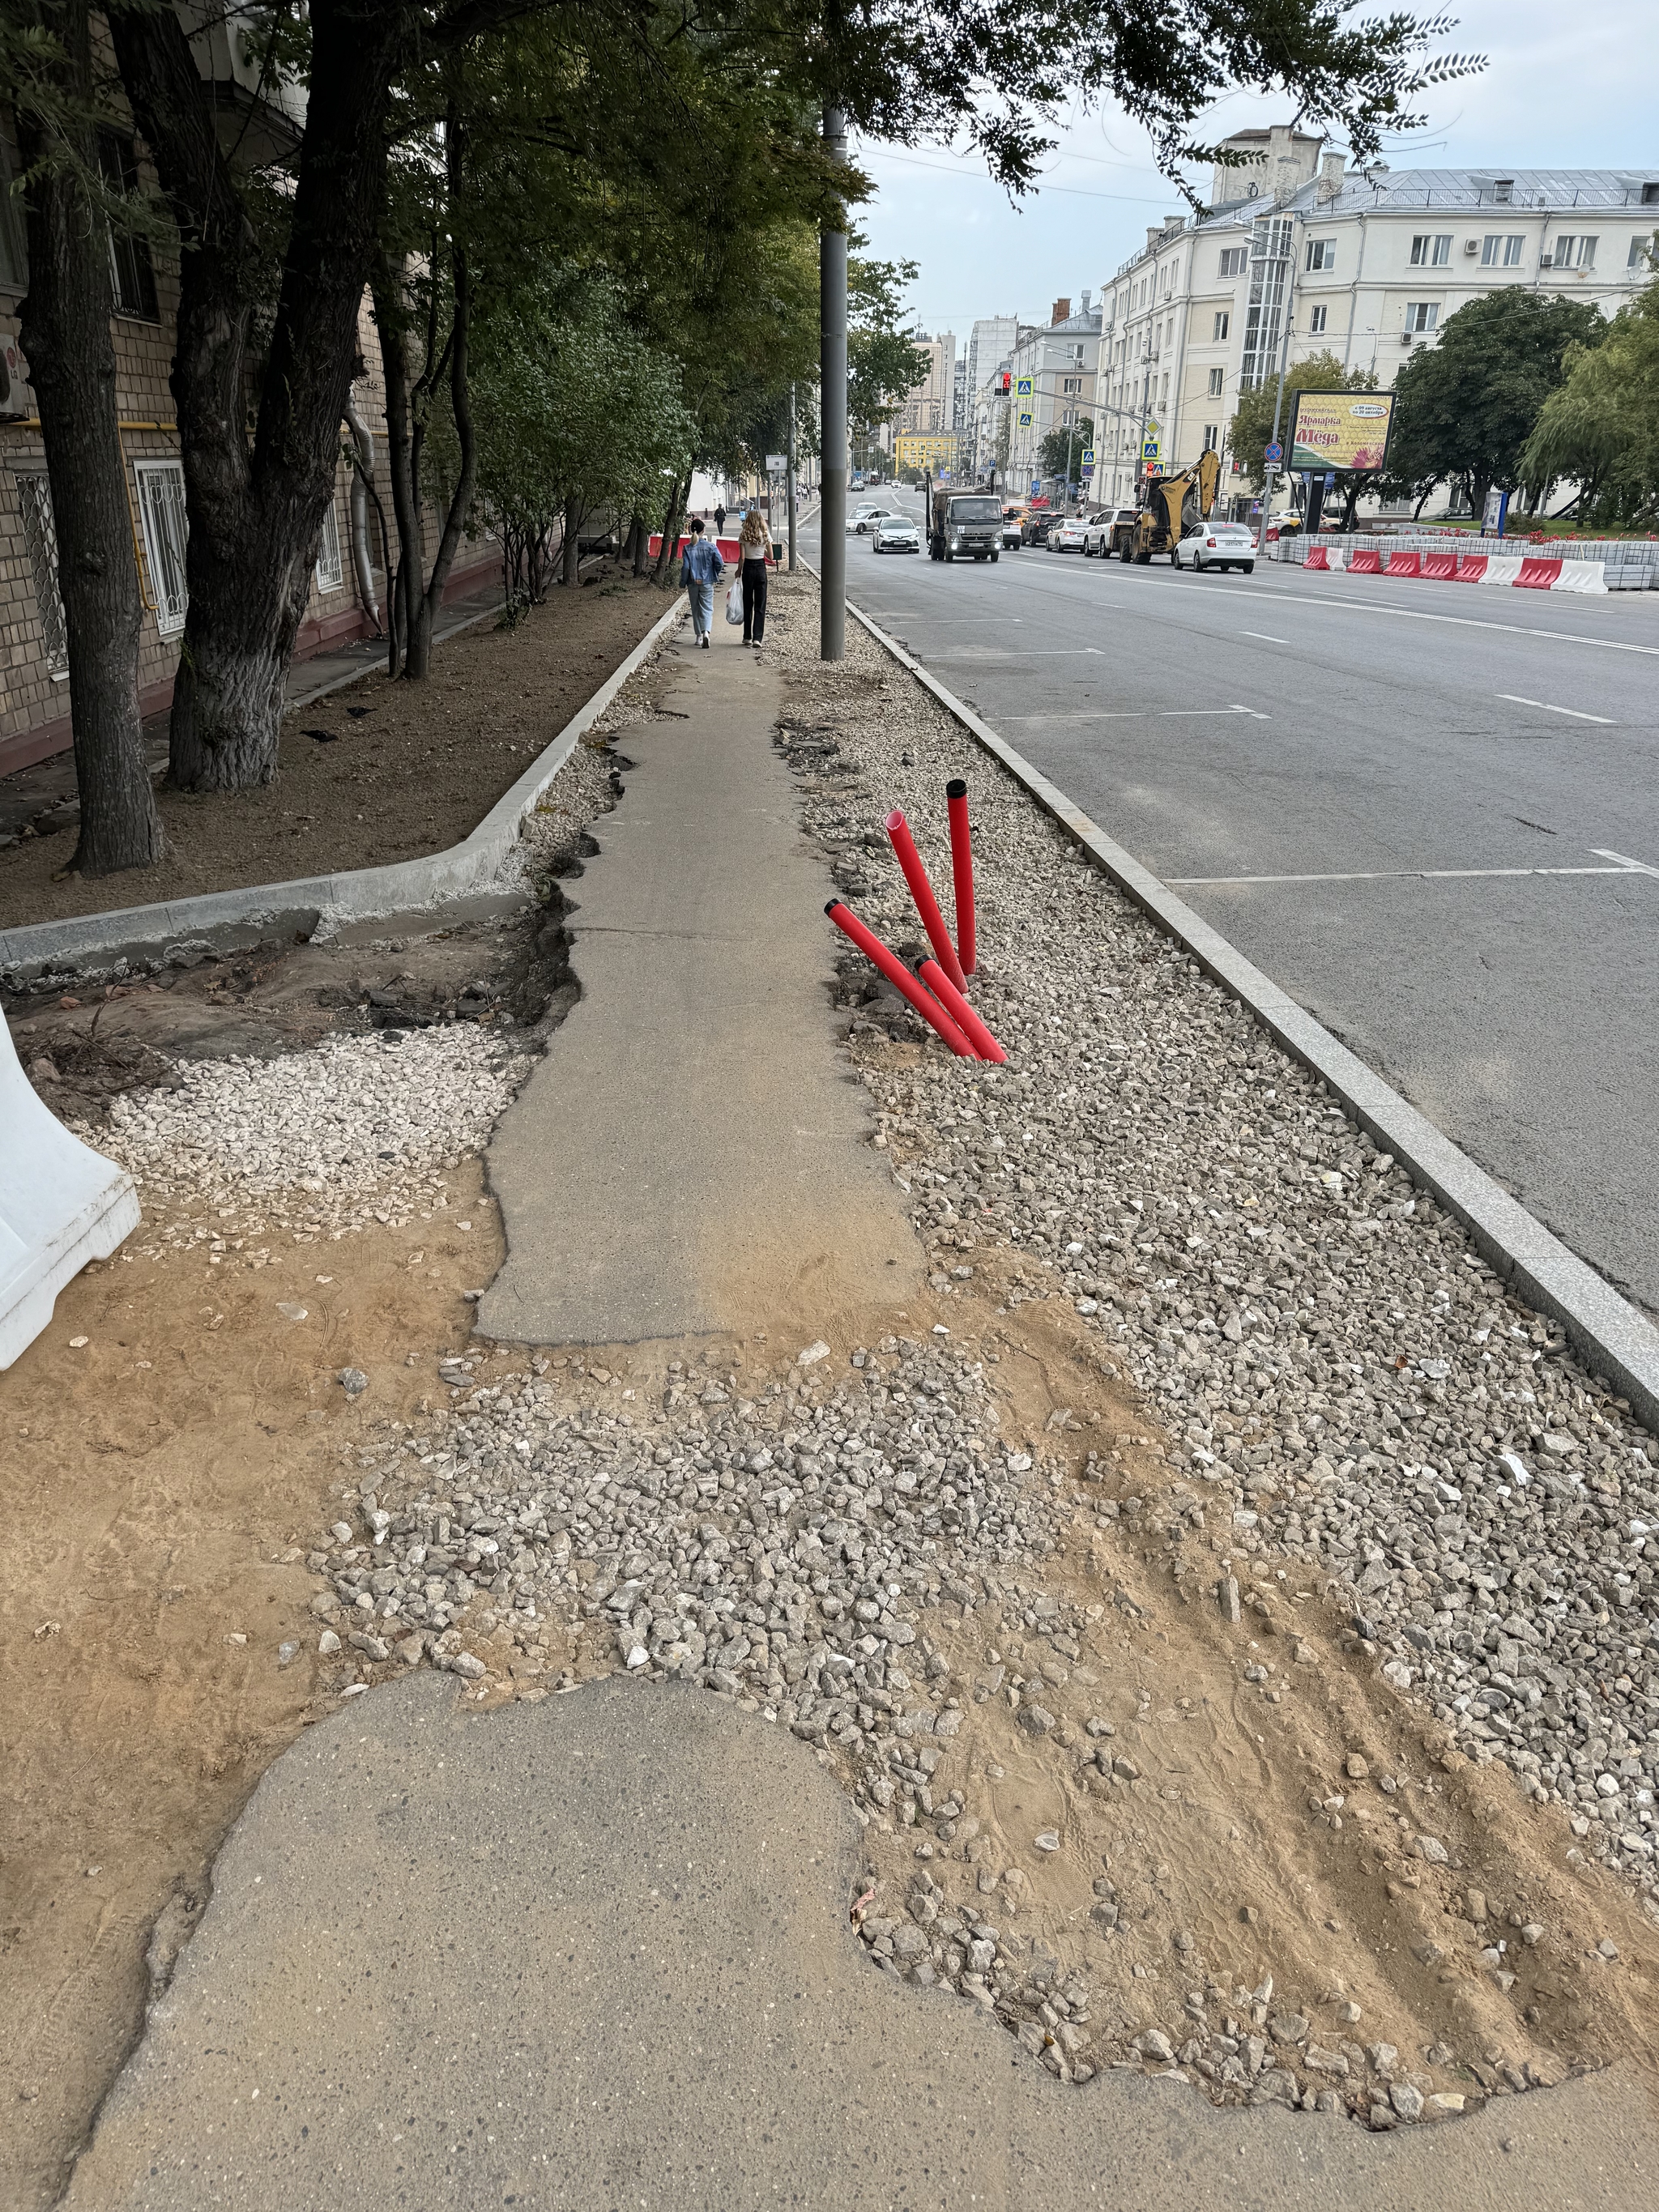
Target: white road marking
<point>1254,713</point>
<point>1136,714</point>
<point>1636,867</point>
<point>1395,875</point>
<point>1544,707</point>
<point>1263,636</point>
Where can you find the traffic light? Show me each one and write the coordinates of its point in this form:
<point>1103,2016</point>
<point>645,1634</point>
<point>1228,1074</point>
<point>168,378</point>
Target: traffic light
<point>1007,379</point>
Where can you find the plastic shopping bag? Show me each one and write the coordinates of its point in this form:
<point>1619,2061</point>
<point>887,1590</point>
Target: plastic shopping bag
<point>734,601</point>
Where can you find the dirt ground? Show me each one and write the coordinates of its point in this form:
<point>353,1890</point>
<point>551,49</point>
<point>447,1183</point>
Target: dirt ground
<point>400,770</point>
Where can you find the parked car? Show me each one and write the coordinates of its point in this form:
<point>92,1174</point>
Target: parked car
<point>895,533</point>
<point>1097,538</point>
<point>1068,534</point>
<point>1217,545</point>
<point>1034,529</point>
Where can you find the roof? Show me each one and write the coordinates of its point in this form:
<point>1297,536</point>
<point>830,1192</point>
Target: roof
<point>1402,190</point>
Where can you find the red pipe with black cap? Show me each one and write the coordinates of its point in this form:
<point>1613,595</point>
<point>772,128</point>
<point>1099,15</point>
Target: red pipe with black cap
<point>899,977</point>
<point>962,871</point>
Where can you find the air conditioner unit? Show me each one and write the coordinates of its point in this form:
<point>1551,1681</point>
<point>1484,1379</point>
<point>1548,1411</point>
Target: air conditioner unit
<point>1546,261</point>
<point>14,400</point>
<point>1471,245</point>
<point>1406,337</point>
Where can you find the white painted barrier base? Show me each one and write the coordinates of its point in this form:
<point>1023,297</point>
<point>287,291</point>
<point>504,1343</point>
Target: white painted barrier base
<point>61,1205</point>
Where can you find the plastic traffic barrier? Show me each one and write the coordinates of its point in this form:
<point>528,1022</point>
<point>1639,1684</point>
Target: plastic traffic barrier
<point>1441,566</point>
<point>1404,564</point>
<point>904,846</point>
<point>899,977</point>
<point>960,1012</point>
<point>61,1205</point>
<point>1537,575</point>
<point>1364,560</point>
<point>962,871</point>
<point>1471,567</point>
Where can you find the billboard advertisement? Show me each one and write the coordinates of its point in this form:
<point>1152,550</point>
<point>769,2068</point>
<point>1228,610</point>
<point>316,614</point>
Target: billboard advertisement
<point>1340,430</point>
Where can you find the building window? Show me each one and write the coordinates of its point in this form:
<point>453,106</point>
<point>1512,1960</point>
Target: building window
<point>1644,250</point>
<point>1217,378</point>
<point>1321,254</point>
<point>131,271</point>
<point>1503,191</point>
<point>161,510</point>
<point>14,259</point>
<point>1650,195</point>
<point>1431,250</point>
<point>1316,320</point>
<point>40,539</point>
<point>1223,324</point>
<point>1234,259</point>
<point>1500,252</point>
<point>331,568</point>
<point>1211,434</point>
<point>1576,252</point>
<point>1422,314</point>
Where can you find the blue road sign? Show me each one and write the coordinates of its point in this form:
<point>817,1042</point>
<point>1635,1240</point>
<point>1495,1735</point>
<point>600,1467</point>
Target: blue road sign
<point>1275,452</point>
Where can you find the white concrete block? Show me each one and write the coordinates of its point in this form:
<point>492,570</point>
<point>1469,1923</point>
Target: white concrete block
<point>61,1205</point>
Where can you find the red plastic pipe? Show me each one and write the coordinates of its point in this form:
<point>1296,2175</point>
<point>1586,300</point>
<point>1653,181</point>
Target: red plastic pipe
<point>899,977</point>
<point>962,871</point>
<point>904,846</point>
<point>959,1011</point>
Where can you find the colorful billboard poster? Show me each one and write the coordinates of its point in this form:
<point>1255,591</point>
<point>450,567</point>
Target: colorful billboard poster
<point>1340,430</point>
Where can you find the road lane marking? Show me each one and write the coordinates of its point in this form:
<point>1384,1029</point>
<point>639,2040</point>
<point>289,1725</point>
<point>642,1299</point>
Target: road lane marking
<point>1263,636</point>
<point>1396,875</point>
<point>1544,707</point>
<point>1137,714</point>
<point>1636,867</point>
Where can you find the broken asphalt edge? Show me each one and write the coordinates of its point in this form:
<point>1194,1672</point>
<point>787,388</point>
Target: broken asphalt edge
<point>319,906</point>
<point>1613,1337</point>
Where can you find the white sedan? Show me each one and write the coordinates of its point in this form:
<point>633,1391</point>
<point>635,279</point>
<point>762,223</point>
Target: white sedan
<point>1217,545</point>
<point>863,519</point>
<point>1071,536</point>
<point>895,533</point>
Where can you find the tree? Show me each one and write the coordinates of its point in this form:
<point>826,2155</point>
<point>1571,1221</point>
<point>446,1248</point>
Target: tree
<point>1601,424</point>
<point>1061,454</point>
<point>885,364</point>
<point>1468,404</point>
<point>69,208</point>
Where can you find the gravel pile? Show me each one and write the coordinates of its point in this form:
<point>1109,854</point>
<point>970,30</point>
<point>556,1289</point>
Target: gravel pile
<point>1337,1364</point>
<point>354,1132</point>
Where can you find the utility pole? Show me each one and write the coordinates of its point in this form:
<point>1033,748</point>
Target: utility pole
<point>1270,469</point>
<point>789,479</point>
<point>832,370</point>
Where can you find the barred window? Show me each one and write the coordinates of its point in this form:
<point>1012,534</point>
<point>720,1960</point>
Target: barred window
<point>40,538</point>
<point>131,273</point>
<point>161,512</point>
<point>331,568</point>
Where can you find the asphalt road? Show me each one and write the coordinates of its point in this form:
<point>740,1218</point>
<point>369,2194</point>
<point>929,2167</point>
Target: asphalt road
<point>1300,754</point>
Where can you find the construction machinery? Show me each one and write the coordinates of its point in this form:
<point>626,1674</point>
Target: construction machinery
<point>1169,508</point>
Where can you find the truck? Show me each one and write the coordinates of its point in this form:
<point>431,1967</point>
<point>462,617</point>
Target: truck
<point>966,524</point>
<point>1168,506</point>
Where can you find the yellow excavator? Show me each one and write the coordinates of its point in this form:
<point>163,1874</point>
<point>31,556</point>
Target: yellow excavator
<point>1169,505</point>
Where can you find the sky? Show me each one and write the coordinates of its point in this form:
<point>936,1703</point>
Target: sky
<point>1562,90</point>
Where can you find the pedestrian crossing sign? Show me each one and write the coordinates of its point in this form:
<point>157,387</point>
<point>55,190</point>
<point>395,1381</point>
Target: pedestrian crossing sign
<point>1088,456</point>
<point>1023,388</point>
<point>1026,418</point>
<point>1151,447</point>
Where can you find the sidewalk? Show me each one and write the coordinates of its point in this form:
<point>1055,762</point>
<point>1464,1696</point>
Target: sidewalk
<point>1072,1613</point>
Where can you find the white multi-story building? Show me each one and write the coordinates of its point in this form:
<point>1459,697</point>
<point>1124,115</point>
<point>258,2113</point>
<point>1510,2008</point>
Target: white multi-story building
<point>990,349</point>
<point>1366,264</point>
<point>930,403</point>
<point>1060,361</point>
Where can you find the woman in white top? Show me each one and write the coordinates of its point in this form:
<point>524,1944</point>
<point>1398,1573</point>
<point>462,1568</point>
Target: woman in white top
<point>754,544</point>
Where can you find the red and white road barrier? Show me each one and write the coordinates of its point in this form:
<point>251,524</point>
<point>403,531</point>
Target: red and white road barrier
<point>899,977</point>
<point>904,848</point>
<point>1525,572</point>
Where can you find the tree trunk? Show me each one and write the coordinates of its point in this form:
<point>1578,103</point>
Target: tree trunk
<point>71,356</point>
<point>676,498</point>
<point>571,550</point>
<point>256,512</point>
<point>418,661</point>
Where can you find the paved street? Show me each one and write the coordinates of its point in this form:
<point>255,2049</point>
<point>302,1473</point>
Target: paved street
<point>1431,812</point>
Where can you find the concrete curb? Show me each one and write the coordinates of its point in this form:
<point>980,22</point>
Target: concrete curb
<point>316,906</point>
<point>1611,1336</point>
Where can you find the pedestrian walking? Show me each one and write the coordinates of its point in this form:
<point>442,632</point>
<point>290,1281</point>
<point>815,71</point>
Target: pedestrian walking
<point>719,521</point>
<point>754,543</point>
<point>700,572</point>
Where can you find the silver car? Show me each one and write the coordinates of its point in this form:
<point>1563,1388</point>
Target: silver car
<point>1217,545</point>
<point>894,533</point>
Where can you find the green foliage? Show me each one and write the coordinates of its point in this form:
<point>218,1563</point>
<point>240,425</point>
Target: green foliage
<point>884,363</point>
<point>1064,447</point>
<point>1253,422</point>
<point>1468,405</point>
<point>1601,425</point>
